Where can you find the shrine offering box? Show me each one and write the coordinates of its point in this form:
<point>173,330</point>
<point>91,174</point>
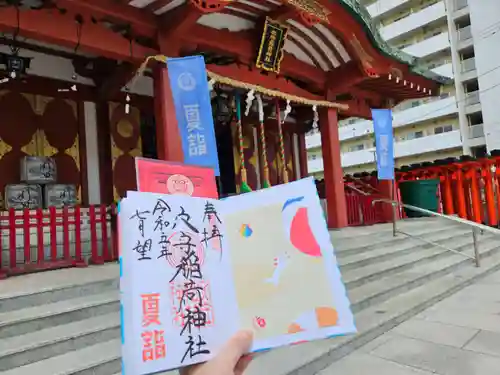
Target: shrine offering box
<point>59,195</point>
<point>21,196</point>
<point>38,170</point>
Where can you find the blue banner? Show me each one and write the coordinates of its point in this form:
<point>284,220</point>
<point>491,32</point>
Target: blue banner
<point>188,81</point>
<point>384,142</point>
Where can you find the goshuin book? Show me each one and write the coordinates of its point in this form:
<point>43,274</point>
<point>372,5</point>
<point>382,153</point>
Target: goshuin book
<point>195,270</point>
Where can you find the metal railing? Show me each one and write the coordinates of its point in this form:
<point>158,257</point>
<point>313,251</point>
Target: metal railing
<point>476,131</point>
<point>464,33</point>
<point>460,4</point>
<point>472,98</point>
<point>475,228</point>
<point>468,65</point>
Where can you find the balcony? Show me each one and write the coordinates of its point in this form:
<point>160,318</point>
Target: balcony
<point>445,70</point>
<point>431,143</point>
<point>476,136</point>
<point>464,38</point>
<point>313,140</point>
<point>315,166</point>
<point>460,4</point>
<point>468,65</point>
<point>429,46</point>
<point>468,70</point>
<point>382,7</point>
<point>472,98</point>
<point>476,131</point>
<point>464,33</point>
<point>414,21</point>
<point>433,109</point>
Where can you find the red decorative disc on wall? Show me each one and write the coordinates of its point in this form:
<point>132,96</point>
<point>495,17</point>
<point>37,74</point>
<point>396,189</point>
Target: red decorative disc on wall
<point>59,124</point>
<point>125,129</point>
<point>18,120</point>
<point>10,168</point>
<point>67,170</point>
<point>124,174</point>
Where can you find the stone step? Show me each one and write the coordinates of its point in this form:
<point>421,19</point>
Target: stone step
<point>20,322</point>
<point>418,257</point>
<point>386,287</point>
<point>364,232</point>
<point>39,345</point>
<point>72,327</point>
<point>49,287</point>
<point>99,359</point>
<point>362,245</point>
<point>386,252</point>
<point>311,358</point>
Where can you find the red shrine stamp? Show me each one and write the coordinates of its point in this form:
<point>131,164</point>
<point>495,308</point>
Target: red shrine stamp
<point>191,296</point>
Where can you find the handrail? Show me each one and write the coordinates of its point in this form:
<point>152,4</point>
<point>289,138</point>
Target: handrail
<point>475,226</point>
<point>356,189</point>
<point>432,213</point>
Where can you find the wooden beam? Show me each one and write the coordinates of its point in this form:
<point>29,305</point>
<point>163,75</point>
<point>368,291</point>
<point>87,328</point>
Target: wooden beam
<point>272,82</point>
<point>55,28</point>
<point>357,108</point>
<point>341,79</point>
<point>281,13</point>
<point>141,21</point>
<point>173,24</point>
<point>243,45</point>
<point>366,94</point>
<point>112,85</point>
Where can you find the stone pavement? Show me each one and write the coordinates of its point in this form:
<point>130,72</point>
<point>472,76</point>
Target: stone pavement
<point>458,336</point>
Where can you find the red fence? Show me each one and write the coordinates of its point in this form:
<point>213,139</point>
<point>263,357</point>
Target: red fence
<point>362,211</point>
<point>34,240</point>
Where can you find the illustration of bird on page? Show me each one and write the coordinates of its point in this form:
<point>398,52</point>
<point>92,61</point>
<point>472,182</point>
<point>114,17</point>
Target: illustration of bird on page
<point>276,252</point>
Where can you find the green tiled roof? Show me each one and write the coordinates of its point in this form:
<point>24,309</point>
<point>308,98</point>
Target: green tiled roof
<point>361,14</point>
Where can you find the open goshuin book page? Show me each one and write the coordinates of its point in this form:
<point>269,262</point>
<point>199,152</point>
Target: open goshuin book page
<point>194,271</point>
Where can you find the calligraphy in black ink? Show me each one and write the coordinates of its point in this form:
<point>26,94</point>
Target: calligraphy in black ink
<point>185,218</point>
<point>161,206</point>
<point>214,233</point>
<point>164,246</point>
<point>140,216</point>
<point>210,212</point>
<point>195,349</point>
<point>192,292</point>
<point>189,264</point>
<point>143,249</point>
<point>193,317</point>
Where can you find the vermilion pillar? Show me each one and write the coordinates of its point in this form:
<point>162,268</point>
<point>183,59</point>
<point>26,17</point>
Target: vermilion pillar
<point>168,141</point>
<point>387,189</point>
<point>334,177</point>
<point>302,156</point>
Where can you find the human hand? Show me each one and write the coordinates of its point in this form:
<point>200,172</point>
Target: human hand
<point>231,359</point>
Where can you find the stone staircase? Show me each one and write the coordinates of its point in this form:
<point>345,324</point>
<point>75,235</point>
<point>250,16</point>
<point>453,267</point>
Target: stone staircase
<point>67,322</point>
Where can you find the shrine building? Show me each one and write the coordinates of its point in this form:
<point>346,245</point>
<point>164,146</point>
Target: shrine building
<point>69,87</point>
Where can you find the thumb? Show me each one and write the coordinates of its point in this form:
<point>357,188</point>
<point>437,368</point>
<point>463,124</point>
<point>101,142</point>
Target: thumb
<point>234,349</point>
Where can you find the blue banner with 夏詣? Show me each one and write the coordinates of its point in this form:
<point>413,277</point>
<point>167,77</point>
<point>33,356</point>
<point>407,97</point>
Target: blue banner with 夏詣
<point>188,81</point>
<point>384,143</point>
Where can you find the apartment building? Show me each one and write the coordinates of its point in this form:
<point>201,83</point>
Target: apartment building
<point>459,39</point>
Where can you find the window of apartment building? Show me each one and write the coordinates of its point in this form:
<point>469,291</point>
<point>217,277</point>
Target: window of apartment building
<point>443,129</point>
<point>312,157</point>
<point>356,148</point>
<point>414,135</point>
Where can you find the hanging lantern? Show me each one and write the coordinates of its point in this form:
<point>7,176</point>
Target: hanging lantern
<point>222,109</point>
